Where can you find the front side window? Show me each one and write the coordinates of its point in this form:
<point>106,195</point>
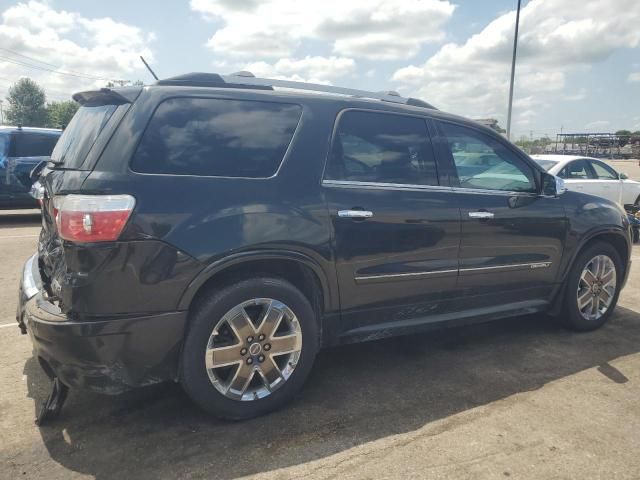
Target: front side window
<point>484,163</point>
<point>33,144</point>
<point>381,148</point>
<point>604,172</point>
<point>215,137</point>
<point>577,170</point>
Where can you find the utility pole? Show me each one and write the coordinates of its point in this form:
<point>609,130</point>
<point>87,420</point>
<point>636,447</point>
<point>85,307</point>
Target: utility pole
<point>513,72</point>
<point>1,114</point>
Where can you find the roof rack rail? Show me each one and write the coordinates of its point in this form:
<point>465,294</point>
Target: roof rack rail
<point>245,79</point>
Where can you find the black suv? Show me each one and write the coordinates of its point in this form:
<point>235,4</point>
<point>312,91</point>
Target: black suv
<point>217,231</point>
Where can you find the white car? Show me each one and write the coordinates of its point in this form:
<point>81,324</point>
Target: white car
<point>593,176</point>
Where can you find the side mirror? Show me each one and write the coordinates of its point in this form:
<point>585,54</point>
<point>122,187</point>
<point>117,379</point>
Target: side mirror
<point>552,186</point>
<point>37,170</point>
<point>623,176</point>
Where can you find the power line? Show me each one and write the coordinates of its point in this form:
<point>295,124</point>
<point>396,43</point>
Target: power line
<point>32,59</point>
<point>59,72</point>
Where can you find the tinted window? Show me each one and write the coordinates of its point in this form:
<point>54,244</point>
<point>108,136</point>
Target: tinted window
<point>33,144</point>
<point>4,145</point>
<point>576,170</point>
<point>81,134</point>
<point>483,162</point>
<point>230,138</point>
<point>604,172</point>
<point>382,148</point>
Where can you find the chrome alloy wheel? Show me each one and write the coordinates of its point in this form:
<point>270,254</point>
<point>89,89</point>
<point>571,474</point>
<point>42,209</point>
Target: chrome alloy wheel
<point>597,287</point>
<point>253,349</point>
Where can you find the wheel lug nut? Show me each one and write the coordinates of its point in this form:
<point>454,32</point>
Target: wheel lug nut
<point>243,351</point>
<point>261,358</point>
<point>261,337</point>
<point>267,347</point>
<point>249,339</point>
<point>249,361</point>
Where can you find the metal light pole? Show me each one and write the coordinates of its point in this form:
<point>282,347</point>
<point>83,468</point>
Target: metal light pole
<point>513,72</point>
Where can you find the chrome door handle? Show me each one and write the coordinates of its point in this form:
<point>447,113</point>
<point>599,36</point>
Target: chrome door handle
<point>355,214</point>
<point>481,215</point>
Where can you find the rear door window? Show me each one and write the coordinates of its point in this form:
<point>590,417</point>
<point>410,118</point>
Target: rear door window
<point>381,148</point>
<point>216,137</point>
<point>81,134</point>
<point>27,144</point>
<point>577,170</point>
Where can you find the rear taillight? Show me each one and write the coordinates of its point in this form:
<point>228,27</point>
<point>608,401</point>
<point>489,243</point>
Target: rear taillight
<point>92,218</point>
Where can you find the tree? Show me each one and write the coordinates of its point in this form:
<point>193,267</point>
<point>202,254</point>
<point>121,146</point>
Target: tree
<point>26,101</point>
<point>60,113</point>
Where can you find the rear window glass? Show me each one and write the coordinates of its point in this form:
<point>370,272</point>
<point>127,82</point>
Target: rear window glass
<point>546,164</point>
<point>33,144</point>
<point>81,134</point>
<point>214,137</point>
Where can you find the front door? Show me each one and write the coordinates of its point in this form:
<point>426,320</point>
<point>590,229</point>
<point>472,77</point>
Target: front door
<point>511,237</point>
<point>396,231</point>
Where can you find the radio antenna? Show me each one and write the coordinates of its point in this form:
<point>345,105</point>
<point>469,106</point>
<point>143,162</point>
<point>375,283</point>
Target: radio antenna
<point>148,67</point>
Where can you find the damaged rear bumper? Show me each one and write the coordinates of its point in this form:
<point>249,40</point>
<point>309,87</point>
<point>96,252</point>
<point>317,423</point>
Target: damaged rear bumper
<point>107,355</point>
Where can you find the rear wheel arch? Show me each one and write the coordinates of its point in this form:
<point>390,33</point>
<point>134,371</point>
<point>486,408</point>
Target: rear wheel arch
<point>299,270</point>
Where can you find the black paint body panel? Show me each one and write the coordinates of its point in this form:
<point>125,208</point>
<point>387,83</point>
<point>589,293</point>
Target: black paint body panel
<point>413,265</point>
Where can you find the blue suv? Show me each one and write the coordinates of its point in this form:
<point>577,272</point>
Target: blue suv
<point>21,149</point>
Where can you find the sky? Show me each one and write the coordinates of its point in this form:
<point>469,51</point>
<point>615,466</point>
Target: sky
<point>578,65</point>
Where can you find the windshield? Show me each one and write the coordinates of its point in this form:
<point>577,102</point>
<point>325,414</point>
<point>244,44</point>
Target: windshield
<point>81,134</point>
<point>546,164</point>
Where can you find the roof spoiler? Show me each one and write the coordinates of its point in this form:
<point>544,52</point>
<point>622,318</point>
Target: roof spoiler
<point>107,96</point>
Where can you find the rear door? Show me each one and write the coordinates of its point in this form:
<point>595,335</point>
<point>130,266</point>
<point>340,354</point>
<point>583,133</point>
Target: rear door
<point>579,176</point>
<point>511,237</point>
<point>396,232</point>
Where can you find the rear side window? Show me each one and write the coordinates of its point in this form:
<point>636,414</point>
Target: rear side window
<point>215,137</point>
<point>577,169</point>
<point>381,148</point>
<point>81,134</point>
<point>32,144</point>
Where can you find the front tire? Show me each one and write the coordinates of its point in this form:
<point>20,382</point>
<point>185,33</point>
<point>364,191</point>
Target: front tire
<point>593,287</point>
<point>249,348</point>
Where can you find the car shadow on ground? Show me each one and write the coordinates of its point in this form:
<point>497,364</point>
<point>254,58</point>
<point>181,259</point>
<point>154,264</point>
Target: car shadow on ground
<point>356,394</point>
<point>19,218</point>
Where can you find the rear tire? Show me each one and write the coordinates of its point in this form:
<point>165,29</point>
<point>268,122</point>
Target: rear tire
<point>593,287</point>
<point>248,384</point>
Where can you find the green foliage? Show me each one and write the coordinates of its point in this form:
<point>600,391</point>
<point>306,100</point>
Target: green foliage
<point>60,113</point>
<point>623,132</point>
<point>124,83</point>
<point>26,101</point>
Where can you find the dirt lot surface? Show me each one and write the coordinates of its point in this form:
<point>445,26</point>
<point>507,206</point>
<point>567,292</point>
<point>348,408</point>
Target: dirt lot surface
<point>520,398</point>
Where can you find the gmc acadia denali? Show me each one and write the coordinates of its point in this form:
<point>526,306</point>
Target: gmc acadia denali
<point>217,231</point>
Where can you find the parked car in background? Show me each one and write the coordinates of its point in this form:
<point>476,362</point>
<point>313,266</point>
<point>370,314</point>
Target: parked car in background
<point>21,149</point>
<point>593,176</point>
<point>218,231</point>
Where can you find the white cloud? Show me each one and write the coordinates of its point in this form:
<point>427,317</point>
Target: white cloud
<point>310,69</point>
<point>69,42</point>
<point>378,29</point>
<point>634,77</point>
<point>556,37</point>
